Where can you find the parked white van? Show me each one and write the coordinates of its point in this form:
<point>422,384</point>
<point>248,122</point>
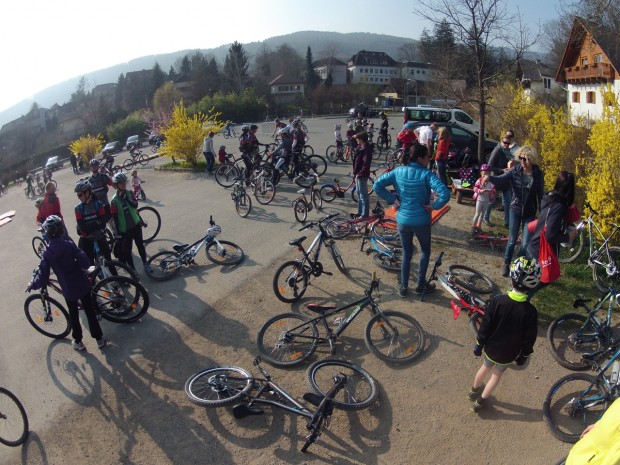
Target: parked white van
<point>441,115</point>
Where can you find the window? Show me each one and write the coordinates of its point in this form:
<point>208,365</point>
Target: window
<point>463,118</point>
<point>381,71</point>
<point>590,97</point>
<point>418,71</point>
<point>575,97</point>
<point>598,58</point>
<point>584,61</point>
<point>547,83</point>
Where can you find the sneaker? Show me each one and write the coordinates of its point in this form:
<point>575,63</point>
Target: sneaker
<point>403,292</point>
<point>427,288</point>
<point>488,223</point>
<point>474,393</point>
<point>101,343</point>
<point>505,270</point>
<point>78,346</point>
<point>477,405</point>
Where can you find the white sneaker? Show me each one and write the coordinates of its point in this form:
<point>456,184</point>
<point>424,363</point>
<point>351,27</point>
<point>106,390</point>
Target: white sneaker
<point>101,343</point>
<point>78,346</point>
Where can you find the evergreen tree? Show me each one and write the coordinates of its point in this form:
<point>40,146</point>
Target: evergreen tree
<point>236,68</point>
<point>312,78</point>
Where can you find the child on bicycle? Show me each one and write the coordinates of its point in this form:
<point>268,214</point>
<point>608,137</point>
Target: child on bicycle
<point>507,331</point>
<point>484,195</point>
<point>69,263</point>
<point>221,154</point>
<point>136,183</point>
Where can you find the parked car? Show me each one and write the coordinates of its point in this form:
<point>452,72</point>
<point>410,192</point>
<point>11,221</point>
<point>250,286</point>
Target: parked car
<point>133,140</point>
<point>364,110</point>
<point>112,148</point>
<point>441,115</point>
<point>54,163</point>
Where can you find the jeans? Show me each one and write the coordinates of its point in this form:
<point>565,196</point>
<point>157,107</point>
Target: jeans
<point>423,233</point>
<point>363,204</point>
<point>518,224</point>
<point>506,199</point>
<point>210,160</point>
<point>441,170</point>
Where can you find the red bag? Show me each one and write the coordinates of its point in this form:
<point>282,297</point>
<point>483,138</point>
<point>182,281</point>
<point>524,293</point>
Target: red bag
<point>572,214</point>
<point>531,226</point>
<point>548,260</point>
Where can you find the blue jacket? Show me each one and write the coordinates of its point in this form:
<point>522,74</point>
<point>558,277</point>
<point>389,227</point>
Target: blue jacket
<point>413,184</point>
<point>525,202</point>
<point>68,263</point>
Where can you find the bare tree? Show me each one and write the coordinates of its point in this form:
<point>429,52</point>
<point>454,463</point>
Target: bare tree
<point>408,51</point>
<point>479,27</point>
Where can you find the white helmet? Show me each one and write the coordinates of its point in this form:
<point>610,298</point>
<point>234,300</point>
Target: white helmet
<point>214,231</point>
<point>525,272</point>
<point>283,132</point>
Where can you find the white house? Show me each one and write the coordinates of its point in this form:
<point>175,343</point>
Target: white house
<point>372,68</point>
<point>333,67</point>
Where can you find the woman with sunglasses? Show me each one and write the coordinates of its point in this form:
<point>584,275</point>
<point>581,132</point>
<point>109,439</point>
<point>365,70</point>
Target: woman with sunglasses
<point>526,182</point>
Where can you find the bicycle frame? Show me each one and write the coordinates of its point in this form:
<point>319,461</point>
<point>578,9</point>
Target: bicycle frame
<point>594,234</point>
<point>311,255</point>
<point>599,325</point>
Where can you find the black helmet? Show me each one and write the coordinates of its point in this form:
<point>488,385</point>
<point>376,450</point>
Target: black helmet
<point>83,186</point>
<point>119,177</point>
<point>253,127</point>
<point>94,162</point>
<point>277,120</point>
<point>53,226</point>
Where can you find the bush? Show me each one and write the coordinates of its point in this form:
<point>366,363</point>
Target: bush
<point>243,107</point>
<point>131,125</point>
<point>87,146</point>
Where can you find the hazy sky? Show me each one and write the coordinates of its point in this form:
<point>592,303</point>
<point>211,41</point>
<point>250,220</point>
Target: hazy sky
<point>47,42</point>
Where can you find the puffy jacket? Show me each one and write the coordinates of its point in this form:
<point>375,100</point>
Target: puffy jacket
<point>525,202</point>
<point>50,205</point>
<point>413,183</point>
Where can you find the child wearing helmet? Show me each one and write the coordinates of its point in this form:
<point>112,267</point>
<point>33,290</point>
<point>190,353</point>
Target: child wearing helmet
<point>507,332</point>
<point>484,195</point>
<point>136,184</point>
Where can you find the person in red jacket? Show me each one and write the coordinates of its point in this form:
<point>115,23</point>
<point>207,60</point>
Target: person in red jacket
<point>50,204</point>
<point>407,137</point>
<point>441,154</point>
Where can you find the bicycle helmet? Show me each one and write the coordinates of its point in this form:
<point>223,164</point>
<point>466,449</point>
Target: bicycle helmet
<point>283,132</point>
<point>350,125</point>
<point>37,203</point>
<point>119,177</point>
<point>485,167</point>
<point>83,186</point>
<point>337,127</point>
<point>245,128</point>
<point>94,162</point>
<point>409,125</point>
<point>253,127</point>
<point>214,231</point>
<point>53,226</point>
<point>525,273</point>
<point>277,120</point>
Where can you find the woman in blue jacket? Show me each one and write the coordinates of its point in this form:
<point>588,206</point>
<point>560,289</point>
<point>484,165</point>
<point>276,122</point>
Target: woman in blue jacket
<point>413,183</point>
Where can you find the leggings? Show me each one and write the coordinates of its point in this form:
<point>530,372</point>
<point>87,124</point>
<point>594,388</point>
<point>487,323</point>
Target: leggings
<point>481,207</point>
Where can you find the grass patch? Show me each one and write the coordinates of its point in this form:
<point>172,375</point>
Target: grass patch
<point>184,166</point>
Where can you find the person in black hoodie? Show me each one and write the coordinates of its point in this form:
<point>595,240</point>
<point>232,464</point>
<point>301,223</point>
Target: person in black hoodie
<point>507,331</point>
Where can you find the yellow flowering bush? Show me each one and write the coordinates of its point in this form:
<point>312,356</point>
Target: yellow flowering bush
<point>87,146</point>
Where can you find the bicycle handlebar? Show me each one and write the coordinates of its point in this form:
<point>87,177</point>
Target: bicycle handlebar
<point>314,223</point>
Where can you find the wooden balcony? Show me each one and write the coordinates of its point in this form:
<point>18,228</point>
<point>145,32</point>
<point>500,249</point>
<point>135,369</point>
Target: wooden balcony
<point>597,72</point>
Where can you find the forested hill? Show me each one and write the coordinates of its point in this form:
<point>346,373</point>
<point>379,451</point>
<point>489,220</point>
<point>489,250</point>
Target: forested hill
<point>341,46</point>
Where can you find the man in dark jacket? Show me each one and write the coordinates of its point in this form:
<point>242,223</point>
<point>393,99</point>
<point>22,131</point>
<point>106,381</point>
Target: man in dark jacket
<point>500,161</point>
<point>362,160</point>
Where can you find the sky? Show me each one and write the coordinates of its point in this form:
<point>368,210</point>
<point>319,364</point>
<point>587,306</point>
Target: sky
<point>43,43</point>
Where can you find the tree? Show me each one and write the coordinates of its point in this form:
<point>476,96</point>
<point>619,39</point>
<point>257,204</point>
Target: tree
<point>236,67</point>
<point>478,26</point>
<point>164,101</point>
<point>312,78</point>
<point>407,52</point>
<point>81,92</point>
<point>159,77</point>
<point>87,146</point>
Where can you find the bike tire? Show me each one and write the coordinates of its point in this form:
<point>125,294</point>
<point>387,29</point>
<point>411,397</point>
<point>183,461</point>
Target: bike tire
<point>218,386</point>
<point>475,320</point>
<point>151,222</point>
<point>471,279</point>
<point>265,191</point>
<point>13,420</point>
<point>300,209</point>
<point>317,200</point>
<point>376,152</point>
<point>306,175</point>
<point>336,255</point>
<point>386,230</point>
<point>120,299</point>
<point>122,269</point>
<point>163,265</point>
<point>394,337</point>
<point>224,253</point>
<point>569,337</point>
<point>225,175</point>
<point>287,280</point>
<point>154,149</point>
<point>39,246</point>
<point>143,159</point>
<point>318,164</point>
<point>128,164</point>
<point>339,227</point>
<point>328,193</point>
<point>331,153</point>
<point>287,339</point>
<point>569,252</point>
<point>562,409</point>
<point>599,272</point>
<point>308,150</point>
<point>56,326</point>
<point>359,392</point>
<point>243,205</point>
<point>392,261</point>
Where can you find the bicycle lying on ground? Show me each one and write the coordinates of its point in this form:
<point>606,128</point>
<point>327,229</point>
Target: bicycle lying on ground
<point>292,278</point>
<point>579,400</point>
<point>604,259</point>
<point>290,338</point>
<point>385,243</point>
<point>572,335</point>
<point>336,384</point>
<point>164,265</point>
<point>341,227</point>
<point>13,419</point>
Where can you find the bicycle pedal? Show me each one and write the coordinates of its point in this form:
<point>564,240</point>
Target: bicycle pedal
<point>328,273</point>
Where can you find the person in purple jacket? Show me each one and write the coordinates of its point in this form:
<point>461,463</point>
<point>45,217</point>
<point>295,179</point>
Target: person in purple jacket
<point>69,263</point>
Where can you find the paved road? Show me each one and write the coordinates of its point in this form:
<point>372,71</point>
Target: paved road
<point>49,377</point>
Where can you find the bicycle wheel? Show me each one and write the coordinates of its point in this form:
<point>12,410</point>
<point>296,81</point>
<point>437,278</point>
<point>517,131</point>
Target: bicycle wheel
<point>243,205</point>
<point>264,191</point>
<point>218,386</point>
<point>13,419</point>
<point>334,251</point>
<point>39,246</point>
<point>163,265</point>
<point>331,153</point>
<point>328,192</point>
<point>120,299</point>
<point>339,227</point>
<point>151,222</point>
<point>224,252</point>
<point>394,337</point>
<point>574,402</point>
<point>306,175</point>
<point>290,282</point>
<point>354,195</point>
<point>121,269</point>
<point>607,274</point>
<point>318,164</point>
<point>317,201</point>
<point>48,317</point>
<point>128,164</point>
<point>376,151</point>
<point>391,260</point>
<point>475,320</point>
<point>288,339</point>
<point>359,392</point>
<point>143,159</point>
<point>471,279</point>
<point>300,209</point>
<point>569,337</point>
<point>308,150</point>
<point>385,230</point>
<point>225,175</point>
<point>569,252</point>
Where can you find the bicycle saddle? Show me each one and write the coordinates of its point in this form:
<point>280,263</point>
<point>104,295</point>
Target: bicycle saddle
<point>179,247</point>
<point>297,242</point>
<point>314,399</point>
<point>320,308</point>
